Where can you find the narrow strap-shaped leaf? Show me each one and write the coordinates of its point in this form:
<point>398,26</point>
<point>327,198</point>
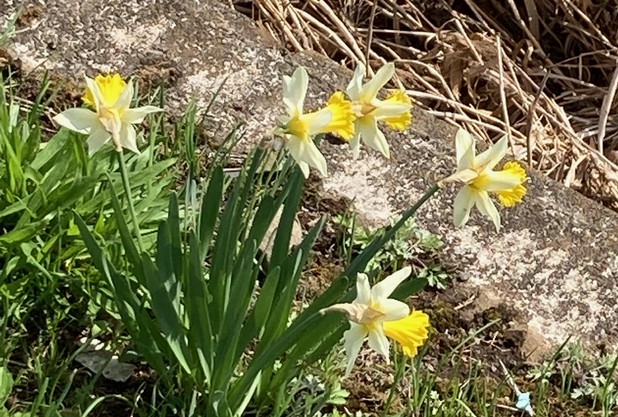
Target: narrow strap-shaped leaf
<point>256,320</point>
<point>264,303</point>
<point>158,283</point>
<point>166,258</point>
<point>23,233</point>
<point>68,194</point>
<point>200,335</point>
<point>409,287</point>
<point>286,223</point>
<point>91,244</point>
<point>125,235</point>
<point>128,304</point>
<point>51,149</point>
<point>311,346</point>
<point>290,274</point>
<point>210,210</point>
<point>361,261</point>
<point>223,253</point>
<point>227,356</point>
<point>144,331</point>
<point>137,179</point>
<point>173,224</point>
<point>226,245</point>
<point>265,359</point>
<point>161,286</point>
<point>263,219</point>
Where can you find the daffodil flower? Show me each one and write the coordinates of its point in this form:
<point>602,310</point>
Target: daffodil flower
<point>299,128</point>
<point>113,118</point>
<point>477,173</point>
<point>369,110</point>
<point>374,316</point>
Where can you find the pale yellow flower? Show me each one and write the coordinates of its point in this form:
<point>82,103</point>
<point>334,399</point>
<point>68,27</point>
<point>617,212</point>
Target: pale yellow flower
<point>299,128</point>
<point>369,110</point>
<point>374,316</point>
<point>477,173</point>
<point>113,118</point>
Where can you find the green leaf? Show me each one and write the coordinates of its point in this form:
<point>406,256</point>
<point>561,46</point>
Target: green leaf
<point>281,244</point>
<point>226,247</point>
<point>210,210</point>
<point>243,282</point>
<point>264,303</point>
<point>128,241</point>
<point>67,195</point>
<point>200,335</point>
<point>137,179</point>
<point>290,273</point>
<point>163,289</point>
<point>158,283</point>
<point>22,233</point>
<point>169,260</point>
<point>14,208</point>
<point>409,287</point>
<point>266,358</point>
<point>6,385</point>
<point>173,225</point>
<point>51,149</point>
<point>54,177</point>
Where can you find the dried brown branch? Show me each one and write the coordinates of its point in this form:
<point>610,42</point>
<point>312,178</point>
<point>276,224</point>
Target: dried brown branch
<point>541,71</point>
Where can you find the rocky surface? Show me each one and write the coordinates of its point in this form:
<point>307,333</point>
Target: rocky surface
<point>555,261</point>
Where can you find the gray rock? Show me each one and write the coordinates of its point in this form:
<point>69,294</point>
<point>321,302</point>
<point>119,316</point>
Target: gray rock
<point>554,261</point>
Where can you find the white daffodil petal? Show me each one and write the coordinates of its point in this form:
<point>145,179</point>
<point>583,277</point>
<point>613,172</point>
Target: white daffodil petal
<point>500,180</point>
<point>315,158</point>
<point>289,105</point>
<point>354,338</point>
<point>126,96</point>
<point>354,88</point>
<point>393,309</point>
<point>294,91</point>
<point>319,121</point>
<point>464,176</point>
<point>463,204</point>
<point>97,139</point>
<point>464,145</point>
<point>304,150</point>
<point>386,287</point>
<point>385,109</point>
<point>379,342</point>
<point>384,74</point>
<point>355,143</point>
<point>304,168</point>
<point>371,135</point>
<point>294,145</point>
<point>363,289</point>
<point>138,114</point>
<point>128,137</point>
<point>96,92</point>
<point>381,145</point>
<point>78,120</point>
<point>490,158</point>
<point>488,208</point>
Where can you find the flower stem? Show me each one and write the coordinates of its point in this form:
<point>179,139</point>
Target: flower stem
<point>127,191</point>
<point>400,366</point>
